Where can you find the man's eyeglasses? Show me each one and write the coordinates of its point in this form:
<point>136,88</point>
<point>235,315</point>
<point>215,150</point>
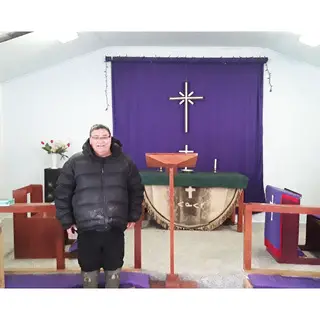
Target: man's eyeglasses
<point>100,138</point>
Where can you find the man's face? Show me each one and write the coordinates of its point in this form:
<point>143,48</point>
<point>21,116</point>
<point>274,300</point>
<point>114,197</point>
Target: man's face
<point>100,140</point>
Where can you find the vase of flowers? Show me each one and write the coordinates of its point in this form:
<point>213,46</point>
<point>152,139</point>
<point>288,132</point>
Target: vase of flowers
<point>55,148</point>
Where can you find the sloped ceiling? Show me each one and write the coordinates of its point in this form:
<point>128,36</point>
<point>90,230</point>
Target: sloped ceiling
<point>6,36</point>
<point>22,53</point>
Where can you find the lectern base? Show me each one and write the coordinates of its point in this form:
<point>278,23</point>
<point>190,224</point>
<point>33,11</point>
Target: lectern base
<point>173,281</point>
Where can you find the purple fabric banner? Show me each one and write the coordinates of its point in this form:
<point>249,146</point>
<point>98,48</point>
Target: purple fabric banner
<point>225,125</point>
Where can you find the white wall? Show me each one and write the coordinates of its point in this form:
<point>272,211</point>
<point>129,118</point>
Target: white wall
<point>62,102</point>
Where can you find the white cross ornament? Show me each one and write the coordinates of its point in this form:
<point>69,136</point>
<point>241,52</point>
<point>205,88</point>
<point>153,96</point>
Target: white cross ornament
<point>272,202</point>
<point>186,98</point>
<point>190,190</point>
<point>186,151</point>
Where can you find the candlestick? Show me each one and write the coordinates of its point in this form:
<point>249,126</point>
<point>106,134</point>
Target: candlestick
<point>215,166</point>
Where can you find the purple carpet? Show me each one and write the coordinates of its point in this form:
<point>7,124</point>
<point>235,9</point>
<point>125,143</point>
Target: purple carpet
<point>74,247</point>
<point>300,253</point>
<point>284,282</point>
<point>56,281</point>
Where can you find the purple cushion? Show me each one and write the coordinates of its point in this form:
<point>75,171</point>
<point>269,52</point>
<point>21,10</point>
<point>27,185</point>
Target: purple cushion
<point>277,281</point>
<point>64,280</point>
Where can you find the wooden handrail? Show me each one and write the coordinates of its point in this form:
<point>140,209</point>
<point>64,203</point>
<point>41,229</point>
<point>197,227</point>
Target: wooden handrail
<point>249,208</point>
<point>29,207</point>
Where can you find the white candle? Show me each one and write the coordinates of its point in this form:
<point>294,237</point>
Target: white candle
<point>215,164</point>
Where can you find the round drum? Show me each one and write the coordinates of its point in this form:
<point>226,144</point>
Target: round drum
<point>195,208</point>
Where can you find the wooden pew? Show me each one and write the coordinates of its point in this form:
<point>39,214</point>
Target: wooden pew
<point>33,236</point>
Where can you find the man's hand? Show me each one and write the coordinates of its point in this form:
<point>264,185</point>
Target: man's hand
<point>72,232</point>
<point>130,225</point>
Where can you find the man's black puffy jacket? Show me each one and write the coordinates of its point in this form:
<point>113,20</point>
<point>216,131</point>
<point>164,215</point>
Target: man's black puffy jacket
<point>98,193</point>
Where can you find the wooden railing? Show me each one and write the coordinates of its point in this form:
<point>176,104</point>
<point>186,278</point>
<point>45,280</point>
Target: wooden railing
<point>43,225</point>
<point>249,208</point>
<point>41,212</point>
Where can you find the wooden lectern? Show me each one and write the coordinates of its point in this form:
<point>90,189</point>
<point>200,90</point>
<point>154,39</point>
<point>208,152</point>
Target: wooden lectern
<point>172,161</point>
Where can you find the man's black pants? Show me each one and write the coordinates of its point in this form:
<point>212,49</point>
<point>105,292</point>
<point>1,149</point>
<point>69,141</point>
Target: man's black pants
<point>101,249</point>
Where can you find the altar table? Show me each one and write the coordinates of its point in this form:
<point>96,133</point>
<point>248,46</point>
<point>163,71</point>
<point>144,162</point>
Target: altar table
<point>203,200</point>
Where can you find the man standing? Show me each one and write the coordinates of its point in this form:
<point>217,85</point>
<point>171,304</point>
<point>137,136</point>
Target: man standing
<point>99,191</point>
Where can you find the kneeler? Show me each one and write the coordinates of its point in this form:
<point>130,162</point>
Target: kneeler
<point>282,230</point>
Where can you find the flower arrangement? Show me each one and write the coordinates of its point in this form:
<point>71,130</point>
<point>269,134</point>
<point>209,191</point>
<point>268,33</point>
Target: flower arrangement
<point>57,147</point>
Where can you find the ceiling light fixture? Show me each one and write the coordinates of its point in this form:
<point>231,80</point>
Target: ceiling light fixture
<point>310,40</point>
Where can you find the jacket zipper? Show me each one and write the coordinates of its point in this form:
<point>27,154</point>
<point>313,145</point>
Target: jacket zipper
<point>103,195</point>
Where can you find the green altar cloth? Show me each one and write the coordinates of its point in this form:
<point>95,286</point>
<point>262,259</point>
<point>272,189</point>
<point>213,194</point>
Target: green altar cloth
<point>231,180</point>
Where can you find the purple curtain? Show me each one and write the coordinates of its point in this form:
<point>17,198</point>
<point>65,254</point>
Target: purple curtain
<point>226,125</point>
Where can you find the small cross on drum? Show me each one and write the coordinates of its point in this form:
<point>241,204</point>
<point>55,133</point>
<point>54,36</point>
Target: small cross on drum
<point>190,190</point>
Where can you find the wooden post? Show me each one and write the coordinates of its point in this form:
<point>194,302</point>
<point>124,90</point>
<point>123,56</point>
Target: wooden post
<point>2,282</point>
<point>137,243</point>
<point>60,248</point>
<point>247,239</point>
<point>36,194</point>
<point>240,213</point>
<point>171,196</point>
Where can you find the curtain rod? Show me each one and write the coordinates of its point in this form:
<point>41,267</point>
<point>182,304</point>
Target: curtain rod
<point>186,59</point>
